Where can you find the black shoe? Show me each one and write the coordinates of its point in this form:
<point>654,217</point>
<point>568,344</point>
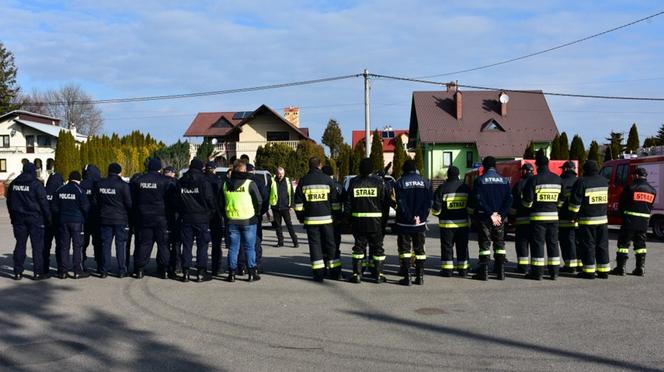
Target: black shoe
<point>419,272</point>
<point>639,271</point>
<point>446,273</point>
<point>356,279</point>
<point>618,270</point>
<point>81,275</point>
<point>38,277</point>
<point>241,271</point>
<point>62,275</point>
<point>18,276</point>
<point>215,273</point>
<point>522,269</point>
<point>462,273</point>
<point>281,244</point>
<point>319,275</point>
<point>534,275</point>
<point>553,272</point>
<point>172,275</point>
<point>122,275</point>
<point>253,275</point>
<point>603,275</point>
<point>568,270</point>
<point>500,266</point>
<point>162,275</point>
<point>103,275</point>
<point>231,276</point>
<point>296,245</point>
<point>585,275</point>
<point>139,274</point>
<point>482,272</point>
<point>202,275</point>
<point>185,275</point>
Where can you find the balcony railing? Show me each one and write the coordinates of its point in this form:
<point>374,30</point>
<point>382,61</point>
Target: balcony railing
<point>26,150</point>
<point>233,147</point>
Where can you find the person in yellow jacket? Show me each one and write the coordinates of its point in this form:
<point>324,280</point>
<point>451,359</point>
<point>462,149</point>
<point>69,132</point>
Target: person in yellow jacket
<point>281,202</point>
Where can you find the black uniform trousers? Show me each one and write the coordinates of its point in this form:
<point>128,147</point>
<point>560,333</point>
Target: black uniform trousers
<point>593,247</point>
<point>174,246</point>
<point>450,237</point>
<point>92,236</point>
<point>50,236</point>
<point>521,243</point>
<point>487,234</point>
<point>567,239</point>
<point>200,232</point>
<point>372,239</point>
<point>108,233</point>
<point>217,237</point>
<point>35,231</point>
<point>627,236</point>
<point>544,233</point>
<point>284,214</point>
<point>70,235</point>
<point>409,243</point>
<point>321,244</point>
<point>132,232</point>
<point>147,237</point>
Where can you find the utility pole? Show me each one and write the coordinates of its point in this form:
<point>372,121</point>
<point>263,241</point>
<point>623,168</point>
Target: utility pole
<point>367,116</point>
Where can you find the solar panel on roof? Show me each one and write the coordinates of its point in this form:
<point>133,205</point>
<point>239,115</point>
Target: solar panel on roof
<point>240,115</point>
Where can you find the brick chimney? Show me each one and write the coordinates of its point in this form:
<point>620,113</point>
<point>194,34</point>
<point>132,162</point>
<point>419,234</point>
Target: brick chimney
<point>458,103</point>
<point>452,86</point>
<point>292,114</point>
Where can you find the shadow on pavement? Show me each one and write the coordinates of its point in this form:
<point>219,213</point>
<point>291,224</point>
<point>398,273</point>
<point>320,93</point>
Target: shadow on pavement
<point>35,331</point>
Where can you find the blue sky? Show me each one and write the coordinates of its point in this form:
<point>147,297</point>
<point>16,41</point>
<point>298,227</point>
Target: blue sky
<point>134,48</point>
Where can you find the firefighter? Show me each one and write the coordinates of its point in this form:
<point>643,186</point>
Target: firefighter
<point>195,205</point>
<point>315,198</point>
<point>241,200</point>
<point>335,261</point>
<point>541,195</point>
<point>636,202</point>
<point>413,198</point>
<point>92,176</point>
<point>489,204</point>
<point>55,181</point>
<point>450,204</point>
<point>521,217</point>
<point>113,197</point>
<point>363,205</point>
<point>567,228</point>
<point>588,204</point>
<point>29,212</point>
<point>281,201</point>
<point>71,209</point>
<point>216,224</point>
<point>151,196</point>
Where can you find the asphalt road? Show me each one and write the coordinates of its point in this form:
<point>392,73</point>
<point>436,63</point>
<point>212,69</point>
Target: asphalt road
<point>288,322</point>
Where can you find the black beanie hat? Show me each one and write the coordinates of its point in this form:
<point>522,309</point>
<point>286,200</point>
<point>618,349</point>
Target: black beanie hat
<point>453,172</point>
<point>327,169</point>
<point>196,164</point>
<point>154,164</point>
<point>590,167</point>
<point>409,166</point>
<point>542,161</point>
<point>114,168</point>
<point>489,162</point>
<point>366,166</point>
<point>74,176</point>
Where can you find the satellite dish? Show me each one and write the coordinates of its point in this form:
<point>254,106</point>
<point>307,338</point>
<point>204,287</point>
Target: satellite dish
<point>214,141</point>
<point>503,98</point>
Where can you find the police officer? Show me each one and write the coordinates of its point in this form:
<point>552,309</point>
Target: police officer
<point>216,224</point>
<point>195,207</point>
<point>335,261</point>
<point>567,228</point>
<point>133,222</point>
<point>174,245</point>
<point>114,200</point>
<point>151,192</point>
<point>636,203</point>
<point>314,198</point>
<point>29,213</point>
<point>281,201</point>
<point>241,201</point>
<point>521,218</point>
<point>450,204</point>
<point>588,204</point>
<point>91,177</point>
<point>363,205</point>
<point>489,203</point>
<point>541,195</point>
<point>71,209</point>
<point>53,183</point>
<point>413,199</point>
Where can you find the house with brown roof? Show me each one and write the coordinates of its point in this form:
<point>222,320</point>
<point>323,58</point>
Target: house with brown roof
<point>389,137</point>
<point>236,133</point>
<point>460,128</point>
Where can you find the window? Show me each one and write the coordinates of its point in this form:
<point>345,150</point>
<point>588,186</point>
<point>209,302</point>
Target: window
<point>606,172</point>
<point>622,172</point>
<point>4,141</point>
<point>3,165</point>
<point>387,134</point>
<point>30,144</point>
<point>44,141</point>
<point>469,159</point>
<point>492,126</point>
<point>277,136</point>
<point>447,159</point>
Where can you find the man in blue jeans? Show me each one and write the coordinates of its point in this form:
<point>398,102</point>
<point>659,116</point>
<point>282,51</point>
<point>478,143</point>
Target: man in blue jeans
<point>240,200</point>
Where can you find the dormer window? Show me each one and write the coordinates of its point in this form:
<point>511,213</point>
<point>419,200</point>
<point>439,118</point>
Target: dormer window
<point>492,126</point>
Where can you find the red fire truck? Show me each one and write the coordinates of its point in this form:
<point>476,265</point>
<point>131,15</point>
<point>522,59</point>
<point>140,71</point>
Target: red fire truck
<point>512,170</point>
<point>619,173</point>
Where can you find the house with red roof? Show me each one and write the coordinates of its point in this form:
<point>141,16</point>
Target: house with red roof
<point>236,133</point>
<point>389,137</point>
<point>461,128</point>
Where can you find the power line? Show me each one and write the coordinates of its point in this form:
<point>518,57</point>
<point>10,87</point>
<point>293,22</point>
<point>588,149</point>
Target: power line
<point>198,94</point>
<point>575,95</point>
<point>544,50</point>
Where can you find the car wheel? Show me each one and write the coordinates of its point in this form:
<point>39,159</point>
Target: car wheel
<point>658,227</point>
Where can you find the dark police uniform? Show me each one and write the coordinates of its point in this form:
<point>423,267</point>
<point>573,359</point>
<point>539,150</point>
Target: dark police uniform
<point>216,222</point>
<point>491,193</point>
<point>114,201</point>
<point>195,207</point>
<point>588,203</point>
<point>521,217</point>
<point>54,182</point>
<point>71,209</point>
<point>91,177</point>
<point>364,206</point>
<point>413,196</point>
<point>281,201</point>
<point>450,204</point>
<point>29,213</point>
<point>151,192</point>
<point>636,202</point>
<point>567,228</point>
<point>315,198</point>
<point>542,194</point>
